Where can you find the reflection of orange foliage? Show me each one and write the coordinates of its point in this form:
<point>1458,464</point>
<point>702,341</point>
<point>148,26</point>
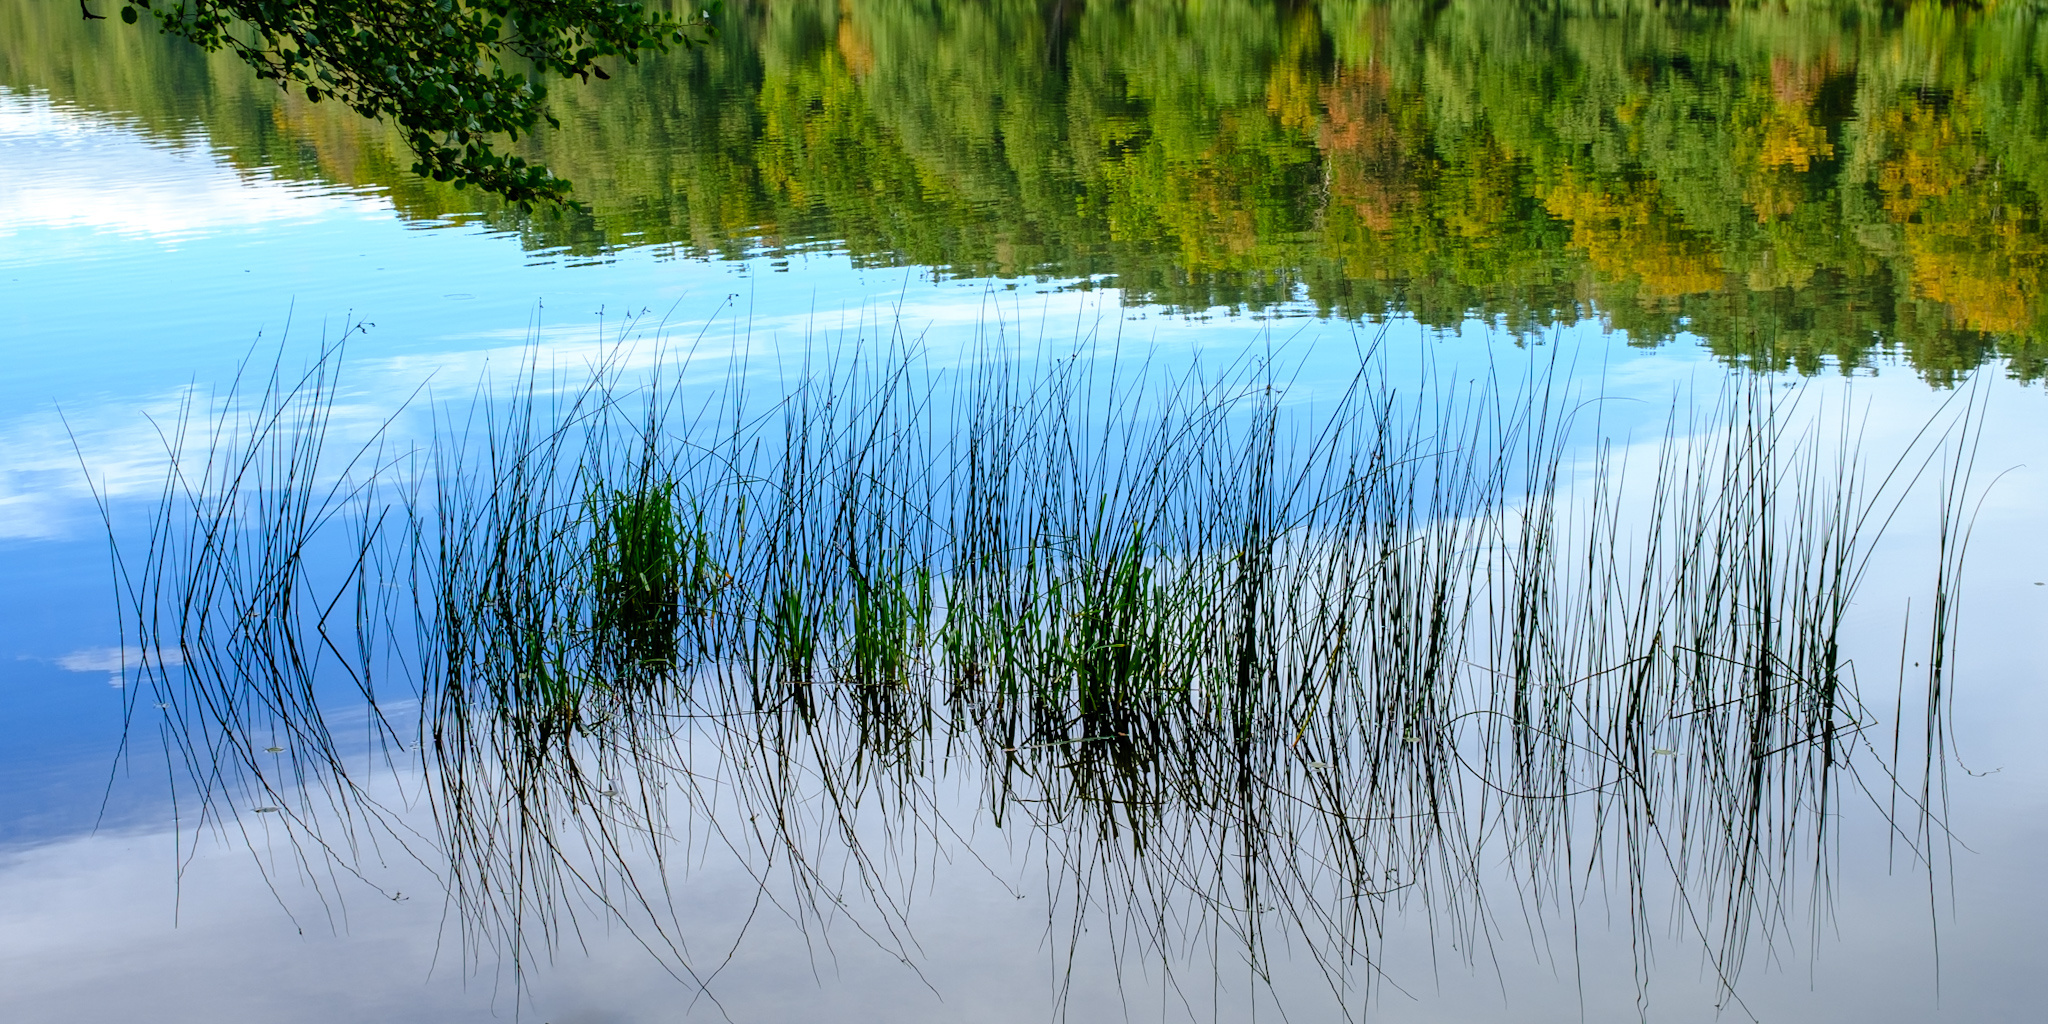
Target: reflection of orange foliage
<point>1963,225</point>
<point>1794,85</point>
<point>1633,236</point>
<point>1365,158</point>
<point>854,46</point>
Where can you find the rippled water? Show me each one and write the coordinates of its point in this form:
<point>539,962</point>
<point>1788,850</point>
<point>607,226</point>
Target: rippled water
<point>1847,197</point>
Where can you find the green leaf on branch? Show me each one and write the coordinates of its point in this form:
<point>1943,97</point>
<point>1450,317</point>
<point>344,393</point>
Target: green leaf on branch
<point>454,75</point>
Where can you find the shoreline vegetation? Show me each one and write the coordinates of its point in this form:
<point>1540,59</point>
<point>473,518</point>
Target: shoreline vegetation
<point>1798,185</point>
<point>1239,664</point>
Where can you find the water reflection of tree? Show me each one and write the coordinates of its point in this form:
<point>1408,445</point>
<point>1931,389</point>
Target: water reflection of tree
<point>1794,186</point>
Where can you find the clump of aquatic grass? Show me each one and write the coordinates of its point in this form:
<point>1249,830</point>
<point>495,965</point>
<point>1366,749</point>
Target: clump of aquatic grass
<point>249,597</point>
<point>1226,652</point>
<point>639,562</point>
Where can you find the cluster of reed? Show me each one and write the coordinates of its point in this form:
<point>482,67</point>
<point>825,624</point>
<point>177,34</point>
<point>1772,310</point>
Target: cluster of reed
<point>1213,640</point>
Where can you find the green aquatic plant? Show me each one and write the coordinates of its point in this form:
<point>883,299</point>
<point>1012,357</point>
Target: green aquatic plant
<point>1233,659</point>
<point>640,566</point>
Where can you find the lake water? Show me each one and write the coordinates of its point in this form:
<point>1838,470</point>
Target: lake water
<point>1841,202</point>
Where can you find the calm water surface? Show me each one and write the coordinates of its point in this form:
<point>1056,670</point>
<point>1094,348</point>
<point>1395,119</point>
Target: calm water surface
<point>1846,198</point>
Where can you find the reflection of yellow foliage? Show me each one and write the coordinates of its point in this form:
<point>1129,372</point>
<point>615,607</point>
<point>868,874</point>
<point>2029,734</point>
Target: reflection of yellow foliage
<point>1778,138</point>
<point>1963,228</point>
<point>1977,274</point>
<point>1792,140</point>
<point>1292,86</point>
<point>1928,159</point>
<point>1632,235</point>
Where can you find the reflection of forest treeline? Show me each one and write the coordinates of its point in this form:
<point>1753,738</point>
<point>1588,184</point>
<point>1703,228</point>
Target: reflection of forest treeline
<point>1794,182</point>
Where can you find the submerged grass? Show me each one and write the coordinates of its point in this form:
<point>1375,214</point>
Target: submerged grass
<point>1243,661</point>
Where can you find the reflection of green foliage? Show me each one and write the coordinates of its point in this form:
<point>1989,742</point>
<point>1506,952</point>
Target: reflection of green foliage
<point>1797,184</point>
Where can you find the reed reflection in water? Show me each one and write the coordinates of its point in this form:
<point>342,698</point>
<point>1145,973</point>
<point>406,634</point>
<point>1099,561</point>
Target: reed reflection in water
<point>1248,672</point>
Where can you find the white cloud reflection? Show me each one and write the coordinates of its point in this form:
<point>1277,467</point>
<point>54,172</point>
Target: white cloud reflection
<point>67,169</point>
<point>107,927</point>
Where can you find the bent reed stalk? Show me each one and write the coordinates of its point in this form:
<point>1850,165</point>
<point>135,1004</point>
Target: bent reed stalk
<point>1239,661</point>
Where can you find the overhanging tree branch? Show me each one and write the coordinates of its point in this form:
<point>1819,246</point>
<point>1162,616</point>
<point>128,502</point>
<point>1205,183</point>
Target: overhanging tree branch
<point>454,75</point>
